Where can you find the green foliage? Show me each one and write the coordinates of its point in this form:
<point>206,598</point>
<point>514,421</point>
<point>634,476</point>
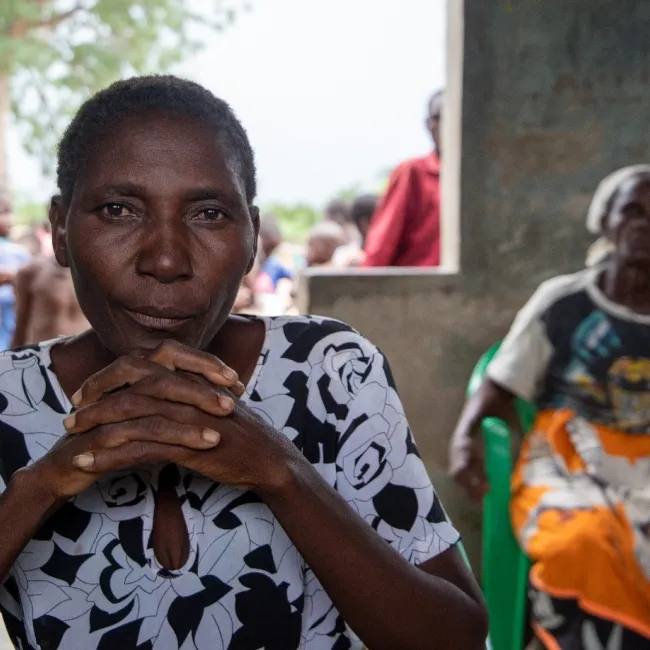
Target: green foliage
<point>350,193</point>
<point>29,213</point>
<point>295,221</point>
<point>58,52</point>
<point>377,186</point>
<point>381,181</point>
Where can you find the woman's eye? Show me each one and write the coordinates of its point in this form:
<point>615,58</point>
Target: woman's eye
<point>211,214</point>
<point>116,210</point>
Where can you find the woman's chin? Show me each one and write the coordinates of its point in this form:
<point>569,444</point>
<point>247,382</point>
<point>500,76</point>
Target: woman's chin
<point>636,257</point>
<point>144,341</point>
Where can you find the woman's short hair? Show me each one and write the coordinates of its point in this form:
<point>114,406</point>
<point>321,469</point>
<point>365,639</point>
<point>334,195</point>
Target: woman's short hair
<point>130,97</point>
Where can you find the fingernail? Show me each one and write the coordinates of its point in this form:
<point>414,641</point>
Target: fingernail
<point>229,373</point>
<point>84,461</point>
<point>241,386</point>
<point>69,422</point>
<point>76,398</point>
<point>226,402</point>
<point>210,436</point>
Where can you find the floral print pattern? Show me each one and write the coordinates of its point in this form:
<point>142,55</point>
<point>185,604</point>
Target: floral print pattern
<point>90,579</point>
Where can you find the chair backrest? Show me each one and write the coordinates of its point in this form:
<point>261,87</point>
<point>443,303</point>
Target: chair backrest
<point>505,567</point>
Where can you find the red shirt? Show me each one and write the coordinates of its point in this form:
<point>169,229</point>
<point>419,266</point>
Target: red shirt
<point>405,229</point>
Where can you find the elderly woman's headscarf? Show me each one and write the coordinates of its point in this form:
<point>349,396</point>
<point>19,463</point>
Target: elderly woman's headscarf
<point>599,206</point>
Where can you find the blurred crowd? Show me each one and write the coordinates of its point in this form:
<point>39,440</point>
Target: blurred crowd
<point>37,298</point>
<point>400,228</point>
<point>336,241</point>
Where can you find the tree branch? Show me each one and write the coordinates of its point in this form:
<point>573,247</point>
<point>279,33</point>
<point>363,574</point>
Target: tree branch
<point>20,27</point>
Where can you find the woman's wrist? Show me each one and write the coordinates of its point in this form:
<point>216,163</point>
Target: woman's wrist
<point>38,490</point>
<point>285,480</point>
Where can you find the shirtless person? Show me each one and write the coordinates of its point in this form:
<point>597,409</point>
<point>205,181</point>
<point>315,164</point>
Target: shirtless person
<point>46,303</point>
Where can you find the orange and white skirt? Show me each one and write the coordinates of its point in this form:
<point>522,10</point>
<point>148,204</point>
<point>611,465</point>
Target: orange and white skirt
<point>581,511</point>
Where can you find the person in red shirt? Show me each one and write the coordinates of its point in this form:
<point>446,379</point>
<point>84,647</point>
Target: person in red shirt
<point>405,228</point>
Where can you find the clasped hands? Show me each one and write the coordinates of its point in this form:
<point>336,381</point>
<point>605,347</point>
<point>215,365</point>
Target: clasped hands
<point>174,405</point>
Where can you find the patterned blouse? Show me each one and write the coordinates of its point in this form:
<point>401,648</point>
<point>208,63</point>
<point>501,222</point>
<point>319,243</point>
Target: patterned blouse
<point>89,578</point>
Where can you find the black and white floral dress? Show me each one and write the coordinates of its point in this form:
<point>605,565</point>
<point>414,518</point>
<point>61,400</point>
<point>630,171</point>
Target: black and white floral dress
<point>89,579</point>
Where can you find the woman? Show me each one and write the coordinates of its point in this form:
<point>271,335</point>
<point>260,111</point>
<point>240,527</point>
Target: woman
<point>221,482</point>
<point>581,489</point>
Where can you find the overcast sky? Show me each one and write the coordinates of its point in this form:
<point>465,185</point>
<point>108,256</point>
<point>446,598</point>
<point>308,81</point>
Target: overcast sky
<point>332,92</point>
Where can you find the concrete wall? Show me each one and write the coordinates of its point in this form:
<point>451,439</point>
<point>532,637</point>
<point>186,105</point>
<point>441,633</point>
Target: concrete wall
<point>555,95</point>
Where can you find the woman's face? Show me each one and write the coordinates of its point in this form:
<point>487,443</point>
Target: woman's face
<point>158,234</point>
<point>628,223</point>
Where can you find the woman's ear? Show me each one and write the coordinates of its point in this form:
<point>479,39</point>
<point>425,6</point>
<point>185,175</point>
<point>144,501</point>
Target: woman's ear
<point>57,215</point>
<point>255,217</point>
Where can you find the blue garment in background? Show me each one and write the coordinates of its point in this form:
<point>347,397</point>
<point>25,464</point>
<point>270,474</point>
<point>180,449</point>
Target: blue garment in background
<point>7,324</point>
<point>276,272</point>
<point>12,257</point>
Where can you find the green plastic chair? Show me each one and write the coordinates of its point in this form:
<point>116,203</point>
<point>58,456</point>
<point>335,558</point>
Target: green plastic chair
<point>505,567</point>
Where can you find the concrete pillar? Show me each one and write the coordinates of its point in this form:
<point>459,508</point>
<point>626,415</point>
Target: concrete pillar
<point>555,96</point>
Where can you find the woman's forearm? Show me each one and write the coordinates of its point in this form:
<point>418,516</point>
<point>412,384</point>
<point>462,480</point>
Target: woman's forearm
<point>25,506</point>
<point>490,400</point>
<point>389,603</point>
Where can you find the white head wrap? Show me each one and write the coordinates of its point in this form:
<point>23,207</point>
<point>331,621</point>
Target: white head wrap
<point>597,212</point>
<point>605,191</point>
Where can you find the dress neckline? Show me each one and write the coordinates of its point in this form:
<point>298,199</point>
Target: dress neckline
<point>614,308</point>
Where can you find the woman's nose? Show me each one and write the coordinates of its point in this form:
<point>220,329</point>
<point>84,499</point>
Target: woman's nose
<point>164,253</point>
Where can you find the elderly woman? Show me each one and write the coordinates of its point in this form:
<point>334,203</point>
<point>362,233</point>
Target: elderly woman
<point>177,477</point>
<point>580,349</point>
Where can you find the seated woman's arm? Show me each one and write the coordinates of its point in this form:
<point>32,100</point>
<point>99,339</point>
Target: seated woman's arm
<point>466,458</point>
<point>517,370</point>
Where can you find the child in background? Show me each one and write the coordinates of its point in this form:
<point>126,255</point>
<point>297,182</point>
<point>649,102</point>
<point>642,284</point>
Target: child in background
<point>322,243</point>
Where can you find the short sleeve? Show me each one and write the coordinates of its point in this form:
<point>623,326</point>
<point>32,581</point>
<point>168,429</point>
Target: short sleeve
<point>523,357</point>
<point>379,471</point>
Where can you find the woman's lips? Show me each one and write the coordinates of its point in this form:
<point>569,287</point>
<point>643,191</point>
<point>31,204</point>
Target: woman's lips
<point>159,322</point>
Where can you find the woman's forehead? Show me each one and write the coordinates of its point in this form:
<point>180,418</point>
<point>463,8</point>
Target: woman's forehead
<point>155,132</point>
<point>163,150</point>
